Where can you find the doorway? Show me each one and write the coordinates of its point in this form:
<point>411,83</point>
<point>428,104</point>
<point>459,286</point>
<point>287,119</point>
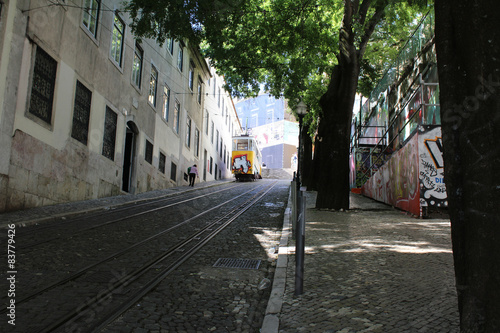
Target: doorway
<point>129,157</point>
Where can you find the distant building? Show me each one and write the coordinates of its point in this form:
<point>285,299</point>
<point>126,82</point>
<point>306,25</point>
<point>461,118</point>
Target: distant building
<point>89,111</point>
<point>276,131</point>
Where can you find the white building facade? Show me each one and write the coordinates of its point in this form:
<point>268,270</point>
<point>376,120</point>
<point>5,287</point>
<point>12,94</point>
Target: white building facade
<point>89,111</point>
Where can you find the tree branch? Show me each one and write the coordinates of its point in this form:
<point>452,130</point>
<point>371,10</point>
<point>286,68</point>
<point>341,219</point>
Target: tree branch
<point>374,20</point>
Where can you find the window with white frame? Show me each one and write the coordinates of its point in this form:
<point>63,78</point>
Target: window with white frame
<point>117,40</point>
<point>188,132</point>
<point>180,57</point>
<point>166,102</point>
<point>153,83</point>
<point>137,66</point>
<point>196,142</point>
<point>177,112</point>
<point>91,15</point>
<point>217,140</point>
<point>170,45</point>
<point>191,76</point>
<point>212,132</point>
<point>206,121</point>
<point>199,90</point>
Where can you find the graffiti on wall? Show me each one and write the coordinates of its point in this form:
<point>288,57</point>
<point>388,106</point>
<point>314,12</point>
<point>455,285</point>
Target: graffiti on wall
<point>363,162</point>
<point>432,186</point>
<point>396,182</point>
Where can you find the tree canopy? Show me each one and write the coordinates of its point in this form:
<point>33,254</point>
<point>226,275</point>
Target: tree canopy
<point>289,46</point>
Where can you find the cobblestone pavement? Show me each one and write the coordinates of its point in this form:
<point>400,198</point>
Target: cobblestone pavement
<point>43,214</point>
<point>371,269</point>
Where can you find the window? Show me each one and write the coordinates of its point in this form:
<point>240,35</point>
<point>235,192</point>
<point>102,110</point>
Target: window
<point>177,112</point>
<point>188,132</point>
<point>137,66</point>
<point>215,81</point>
<point>91,15</point>
<point>173,171</point>
<point>108,145</point>
<point>217,140</point>
<point>153,82</point>
<point>148,154</point>
<point>206,122</point>
<point>180,57</point>
<point>170,45</point>
<point>117,40</point>
<point>211,164</point>
<point>81,113</point>
<point>161,163</point>
<point>196,142</point>
<point>166,102</point>
<point>220,151</point>
<point>212,132</point>
<point>199,90</point>
<point>43,86</point>
<point>223,107</point>
<point>218,98</point>
<point>191,77</point>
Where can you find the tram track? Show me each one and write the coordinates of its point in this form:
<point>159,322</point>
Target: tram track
<point>115,255</point>
<point>128,210</point>
<point>181,248</point>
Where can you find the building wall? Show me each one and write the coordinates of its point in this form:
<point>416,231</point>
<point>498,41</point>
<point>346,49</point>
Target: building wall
<point>397,181</point>
<point>42,163</point>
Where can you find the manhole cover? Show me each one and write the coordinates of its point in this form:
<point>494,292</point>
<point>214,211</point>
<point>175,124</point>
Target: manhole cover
<point>237,263</point>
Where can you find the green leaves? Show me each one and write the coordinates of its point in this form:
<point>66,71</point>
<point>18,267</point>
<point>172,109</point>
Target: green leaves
<point>290,46</point>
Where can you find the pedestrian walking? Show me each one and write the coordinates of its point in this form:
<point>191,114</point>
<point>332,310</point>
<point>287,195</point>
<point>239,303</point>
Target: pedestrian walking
<point>193,173</point>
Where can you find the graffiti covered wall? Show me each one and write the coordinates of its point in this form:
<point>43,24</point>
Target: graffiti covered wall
<point>431,175</point>
<point>413,178</point>
<point>396,182</point>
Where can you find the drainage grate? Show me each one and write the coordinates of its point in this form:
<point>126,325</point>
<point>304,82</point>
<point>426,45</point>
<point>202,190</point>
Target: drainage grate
<point>237,263</point>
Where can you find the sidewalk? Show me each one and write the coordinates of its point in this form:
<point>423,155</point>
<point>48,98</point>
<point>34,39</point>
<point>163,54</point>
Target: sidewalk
<point>371,269</point>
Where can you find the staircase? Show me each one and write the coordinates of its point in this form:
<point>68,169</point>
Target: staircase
<point>277,173</point>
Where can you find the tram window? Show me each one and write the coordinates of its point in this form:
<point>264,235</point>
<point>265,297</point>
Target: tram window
<point>242,144</point>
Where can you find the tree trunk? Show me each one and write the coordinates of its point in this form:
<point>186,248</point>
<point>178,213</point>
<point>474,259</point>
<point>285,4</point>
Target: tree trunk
<point>334,129</point>
<point>468,53</point>
<point>307,166</point>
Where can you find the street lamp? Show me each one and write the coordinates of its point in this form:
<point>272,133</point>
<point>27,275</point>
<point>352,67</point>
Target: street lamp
<point>300,210</point>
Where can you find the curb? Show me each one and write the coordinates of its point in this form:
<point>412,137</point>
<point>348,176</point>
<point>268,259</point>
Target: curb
<point>271,319</point>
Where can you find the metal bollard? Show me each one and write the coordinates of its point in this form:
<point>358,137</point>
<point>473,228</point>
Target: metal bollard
<point>300,244</point>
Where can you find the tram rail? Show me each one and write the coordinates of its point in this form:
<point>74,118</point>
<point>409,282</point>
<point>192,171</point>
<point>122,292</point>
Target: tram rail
<point>182,248</point>
<point>131,211</point>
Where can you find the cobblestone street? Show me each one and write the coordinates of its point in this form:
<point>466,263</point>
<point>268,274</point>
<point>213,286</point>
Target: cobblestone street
<point>371,269</point>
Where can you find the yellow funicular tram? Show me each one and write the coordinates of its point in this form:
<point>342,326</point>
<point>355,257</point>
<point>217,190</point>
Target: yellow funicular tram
<point>246,162</point>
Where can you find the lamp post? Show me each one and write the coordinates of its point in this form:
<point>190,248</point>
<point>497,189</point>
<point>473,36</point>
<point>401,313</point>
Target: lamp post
<point>301,223</point>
